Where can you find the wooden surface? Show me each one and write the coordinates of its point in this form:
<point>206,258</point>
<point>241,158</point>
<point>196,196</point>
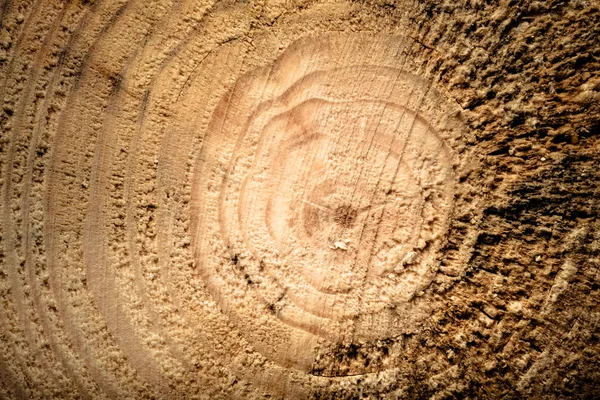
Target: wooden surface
<point>313,199</point>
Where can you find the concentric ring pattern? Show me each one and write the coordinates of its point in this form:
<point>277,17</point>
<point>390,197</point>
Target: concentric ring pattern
<point>321,195</point>
<point>198,205</point>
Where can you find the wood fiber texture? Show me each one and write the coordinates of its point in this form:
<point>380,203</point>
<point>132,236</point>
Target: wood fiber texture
<point>299,199</point>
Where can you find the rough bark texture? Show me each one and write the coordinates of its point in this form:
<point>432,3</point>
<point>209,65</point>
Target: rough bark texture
<point>300,199</point>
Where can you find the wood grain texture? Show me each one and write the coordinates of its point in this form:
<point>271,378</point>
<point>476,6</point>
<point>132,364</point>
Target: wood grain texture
<point>299,199</point>
<point>322,195</point>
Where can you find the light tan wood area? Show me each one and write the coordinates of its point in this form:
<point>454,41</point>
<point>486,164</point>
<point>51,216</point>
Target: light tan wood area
<point>322,195</point>
<point>299,199</point>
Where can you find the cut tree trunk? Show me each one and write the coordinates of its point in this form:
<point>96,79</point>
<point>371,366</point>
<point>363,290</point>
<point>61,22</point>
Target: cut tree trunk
<point>300,199</point>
